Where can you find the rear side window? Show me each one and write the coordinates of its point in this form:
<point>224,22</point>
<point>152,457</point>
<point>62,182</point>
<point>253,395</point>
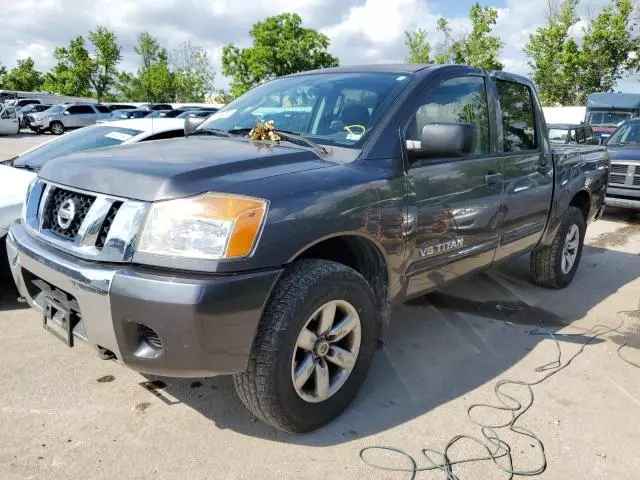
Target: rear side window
<point>102,109</point>
<point>80,109</point>
<point>518,118</point>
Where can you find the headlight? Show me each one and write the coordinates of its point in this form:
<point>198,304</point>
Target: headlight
<point>209,227</point>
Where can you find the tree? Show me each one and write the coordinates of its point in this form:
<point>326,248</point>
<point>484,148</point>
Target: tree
<point>444,50</point>
<point>154,81</point>
<point>3,72</point>
<point>193,73</point>
<point>23,77</point>
<point>104,61</point>
<point>418,46</point>
<point>566,72</point>
<point>479,49</point>
<point>607,47</point>
<point>555,56</point>
<point>281,46</point>
<point>72,72</point>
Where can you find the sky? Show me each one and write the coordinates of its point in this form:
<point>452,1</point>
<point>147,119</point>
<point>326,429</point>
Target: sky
<point>360,31</point>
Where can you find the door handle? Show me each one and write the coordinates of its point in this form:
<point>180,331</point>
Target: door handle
<point>543,169</point>
<point>493,178</point>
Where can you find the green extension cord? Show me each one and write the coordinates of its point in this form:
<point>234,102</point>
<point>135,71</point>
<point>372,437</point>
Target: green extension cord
<point>495,447</point>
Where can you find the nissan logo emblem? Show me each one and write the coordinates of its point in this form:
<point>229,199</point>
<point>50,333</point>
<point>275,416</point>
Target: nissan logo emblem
<point>66,214</point>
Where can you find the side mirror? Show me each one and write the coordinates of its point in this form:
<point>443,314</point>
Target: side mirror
<point>444,140</point>
<point>191,123</point>
<point>66,112</point>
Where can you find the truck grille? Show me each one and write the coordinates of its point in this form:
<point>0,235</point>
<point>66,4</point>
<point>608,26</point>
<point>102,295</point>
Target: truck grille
<point>106,225</point>
<point>619,179</point>
<point>636,180</point>
<point>97,227</point>
<point>619,168</point>
<point>58,196</point>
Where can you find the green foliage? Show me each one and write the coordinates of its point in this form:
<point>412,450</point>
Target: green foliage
<point>23,77</point>
<point>418,45</point>
<point>154,81</point>
<point>566,72</point>
<point>281,46</point>
<point>104,62</point>
<point>555,56</point>
<point>479,49</point>
<point>71,74</point>
<point>607,43</point>
<point>444,50</point>
<point>193,73</point>
<point>185,77</point>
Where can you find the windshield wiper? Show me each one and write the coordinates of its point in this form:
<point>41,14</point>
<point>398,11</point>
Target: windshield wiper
<point>211,131</point>
<point>294,137</point>
<point>286,135</point>
<point>27,167</point>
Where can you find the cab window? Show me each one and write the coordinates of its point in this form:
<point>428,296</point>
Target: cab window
<point>518,118</point>
<point>457,100</point>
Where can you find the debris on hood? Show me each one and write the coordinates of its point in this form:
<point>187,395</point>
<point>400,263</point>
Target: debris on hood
<point>264,131</point>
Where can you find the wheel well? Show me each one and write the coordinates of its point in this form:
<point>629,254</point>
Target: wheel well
<point>365,258</point>
<point>582,201</point>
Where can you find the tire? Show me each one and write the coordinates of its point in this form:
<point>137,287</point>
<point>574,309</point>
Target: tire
<point>57,128</point>
<point>547,262</point>
<point>267,386</point>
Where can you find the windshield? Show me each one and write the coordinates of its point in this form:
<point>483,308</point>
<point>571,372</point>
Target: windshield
<point>608,119</point>
<point>88,138</point>
<point>340,109</point>
<point>627,134</point>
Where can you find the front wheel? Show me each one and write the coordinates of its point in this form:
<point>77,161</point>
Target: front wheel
<point>57,128</point>
<point>313,348</point>
<point>555,266</point>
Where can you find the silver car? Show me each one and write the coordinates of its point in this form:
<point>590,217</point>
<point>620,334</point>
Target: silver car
<point>59,118</point>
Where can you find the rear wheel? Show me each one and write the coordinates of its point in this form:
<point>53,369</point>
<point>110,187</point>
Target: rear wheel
<point>555,266</point>
<point>57,128</point>
<point>313,348</point>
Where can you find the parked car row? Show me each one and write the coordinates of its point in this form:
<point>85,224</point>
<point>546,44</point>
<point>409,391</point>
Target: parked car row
<point>184,112</point>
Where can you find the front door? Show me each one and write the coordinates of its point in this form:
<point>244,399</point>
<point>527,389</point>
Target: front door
<point>9,123</point>
<point>453,202</point>
<point>527,168</point>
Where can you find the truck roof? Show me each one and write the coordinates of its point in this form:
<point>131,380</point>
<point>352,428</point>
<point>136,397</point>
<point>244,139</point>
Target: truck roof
<point>410,68</point>
<point>614,100</point>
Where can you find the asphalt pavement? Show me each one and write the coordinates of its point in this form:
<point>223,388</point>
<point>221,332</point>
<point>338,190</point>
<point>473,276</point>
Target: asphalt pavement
<point>66,414</point>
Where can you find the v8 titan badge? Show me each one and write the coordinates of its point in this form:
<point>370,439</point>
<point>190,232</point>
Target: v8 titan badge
<point>442,247</point>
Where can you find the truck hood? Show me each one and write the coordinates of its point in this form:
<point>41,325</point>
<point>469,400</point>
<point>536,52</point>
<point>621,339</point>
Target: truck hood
<point>167,169</point>
<point>624,153</point>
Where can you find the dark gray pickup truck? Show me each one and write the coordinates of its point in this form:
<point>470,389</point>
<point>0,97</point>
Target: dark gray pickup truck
<point>278,261</point>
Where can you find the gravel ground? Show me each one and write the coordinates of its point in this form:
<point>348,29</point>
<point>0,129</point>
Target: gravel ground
<point>66,414</point>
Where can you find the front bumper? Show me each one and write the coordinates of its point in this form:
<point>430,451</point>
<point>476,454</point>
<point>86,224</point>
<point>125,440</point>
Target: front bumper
<point>623,198</point>
<point>206,324</point>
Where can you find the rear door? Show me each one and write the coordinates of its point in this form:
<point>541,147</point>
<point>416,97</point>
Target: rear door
<point>453,202</point>
<point>527,167</point>
<point>103,112</point>
<point>80,116</point>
